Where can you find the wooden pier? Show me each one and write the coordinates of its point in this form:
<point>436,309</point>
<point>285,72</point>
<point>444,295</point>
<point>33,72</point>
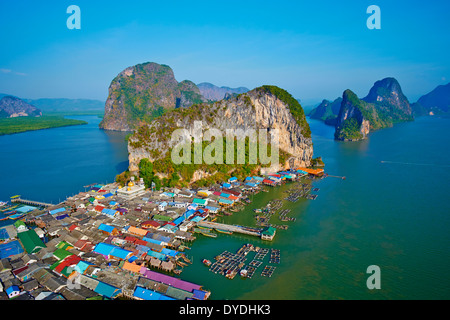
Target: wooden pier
<point>31,203</point>
<point>231,228</point>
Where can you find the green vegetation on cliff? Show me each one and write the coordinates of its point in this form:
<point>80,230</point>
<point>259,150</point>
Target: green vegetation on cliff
<point>181,175</point>
<point>350,130</point>
<point>144,92</point>
<point>293,105</point>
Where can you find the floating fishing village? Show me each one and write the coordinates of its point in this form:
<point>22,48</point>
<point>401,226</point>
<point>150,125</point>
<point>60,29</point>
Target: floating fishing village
<point>113,242</point>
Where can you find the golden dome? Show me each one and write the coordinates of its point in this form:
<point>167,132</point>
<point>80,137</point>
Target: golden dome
<point>129,189</point>
<point>131,184</point>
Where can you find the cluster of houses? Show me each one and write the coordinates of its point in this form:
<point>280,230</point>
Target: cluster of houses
<point>112,241</point>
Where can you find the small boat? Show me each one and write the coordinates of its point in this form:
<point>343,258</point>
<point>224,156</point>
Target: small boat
<point>209,234</point>
<point>224,231</point>
<point>16,216</point>
<point>181,264</point>
<point>177,271</point>
<point>206,262</point>
<point>243,272</point>
<point>2,203</point>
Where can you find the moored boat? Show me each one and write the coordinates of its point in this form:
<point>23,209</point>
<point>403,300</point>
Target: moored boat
<point>206,262</point>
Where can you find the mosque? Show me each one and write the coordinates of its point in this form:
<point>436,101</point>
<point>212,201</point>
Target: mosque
<point>132,190</point>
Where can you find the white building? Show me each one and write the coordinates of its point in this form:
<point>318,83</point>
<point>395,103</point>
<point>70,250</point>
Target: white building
<point>132,190</point>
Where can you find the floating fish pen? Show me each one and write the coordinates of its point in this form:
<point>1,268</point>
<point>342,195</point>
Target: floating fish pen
<point>230,264</point>
<point>312,197</point>
<point>268,271</point>
<point>275,256</point>
<point>283,215</point>
<point>261,254</point>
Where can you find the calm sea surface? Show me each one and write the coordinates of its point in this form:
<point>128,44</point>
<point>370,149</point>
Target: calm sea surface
<point>392,210</point>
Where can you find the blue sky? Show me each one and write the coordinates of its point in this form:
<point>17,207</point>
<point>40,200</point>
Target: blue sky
<point>313,49</point>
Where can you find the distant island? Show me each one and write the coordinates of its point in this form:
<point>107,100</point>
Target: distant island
<point>20,115</point>
<point>215,93</point>
<point>385,105</point>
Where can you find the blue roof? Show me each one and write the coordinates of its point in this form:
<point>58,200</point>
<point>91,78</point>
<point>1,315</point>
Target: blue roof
<point>211,208</point>
<point>108,195</point>
<point>232,179</point>
<point>109,212</point>
<point>226,201</point>
<point>4,234</point>
<point>11,289</point>
<point>52,212</point>
<point>111,250</point>
<point>133,258</point>
<point>106,228</point>
<point>82,266</point>
<point>63,216</point>
<point>157,255</point>
<point>189,213</point>
<point>25,209</point>
<point>106,290</point>
<point>152,240</point>
<point>258,178</point>
<point>199,294</point>
<point>146,294</point>
<point>250,184</point>
<point>197,219</point>
<point>227,185</point>
<point>169,252</point>
<point>225,195</point>
<point>142,248</point>
<point>178,220</point>
<point>10,249</point>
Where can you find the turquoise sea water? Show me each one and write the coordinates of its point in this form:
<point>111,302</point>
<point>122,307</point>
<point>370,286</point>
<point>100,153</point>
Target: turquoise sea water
<point>50,165</point>
<point>392,210</point>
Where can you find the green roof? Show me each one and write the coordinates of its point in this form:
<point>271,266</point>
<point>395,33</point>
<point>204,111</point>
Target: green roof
<point>270,231</point>
<point>19,223</point>
<point>63,245</point>
<point>61,254</point>
<point>162,218</point>
<point>201,202</point>
<point>31,241</point>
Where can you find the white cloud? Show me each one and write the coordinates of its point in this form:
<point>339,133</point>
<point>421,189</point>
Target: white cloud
<point>9,71</point>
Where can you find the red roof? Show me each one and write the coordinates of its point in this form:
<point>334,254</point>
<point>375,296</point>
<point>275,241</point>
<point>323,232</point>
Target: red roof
<point>234,193</point>
<point>150,223</point>
<point>69,261</point>
<point>99,208</point>
<point>141,242</point>
<point>73,227</point>
<point>19,270</point>
<point>268,181</point>
<point>130,239</point>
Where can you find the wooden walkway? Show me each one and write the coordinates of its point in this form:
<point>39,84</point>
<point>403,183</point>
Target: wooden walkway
<point>31,203</point>
<point>232,228</point>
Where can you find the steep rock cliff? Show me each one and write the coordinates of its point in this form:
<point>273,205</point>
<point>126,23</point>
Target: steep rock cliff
<point>266,108</point>
<point>384,106</point>
<point>143,92</point>
<point>11,107</point>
